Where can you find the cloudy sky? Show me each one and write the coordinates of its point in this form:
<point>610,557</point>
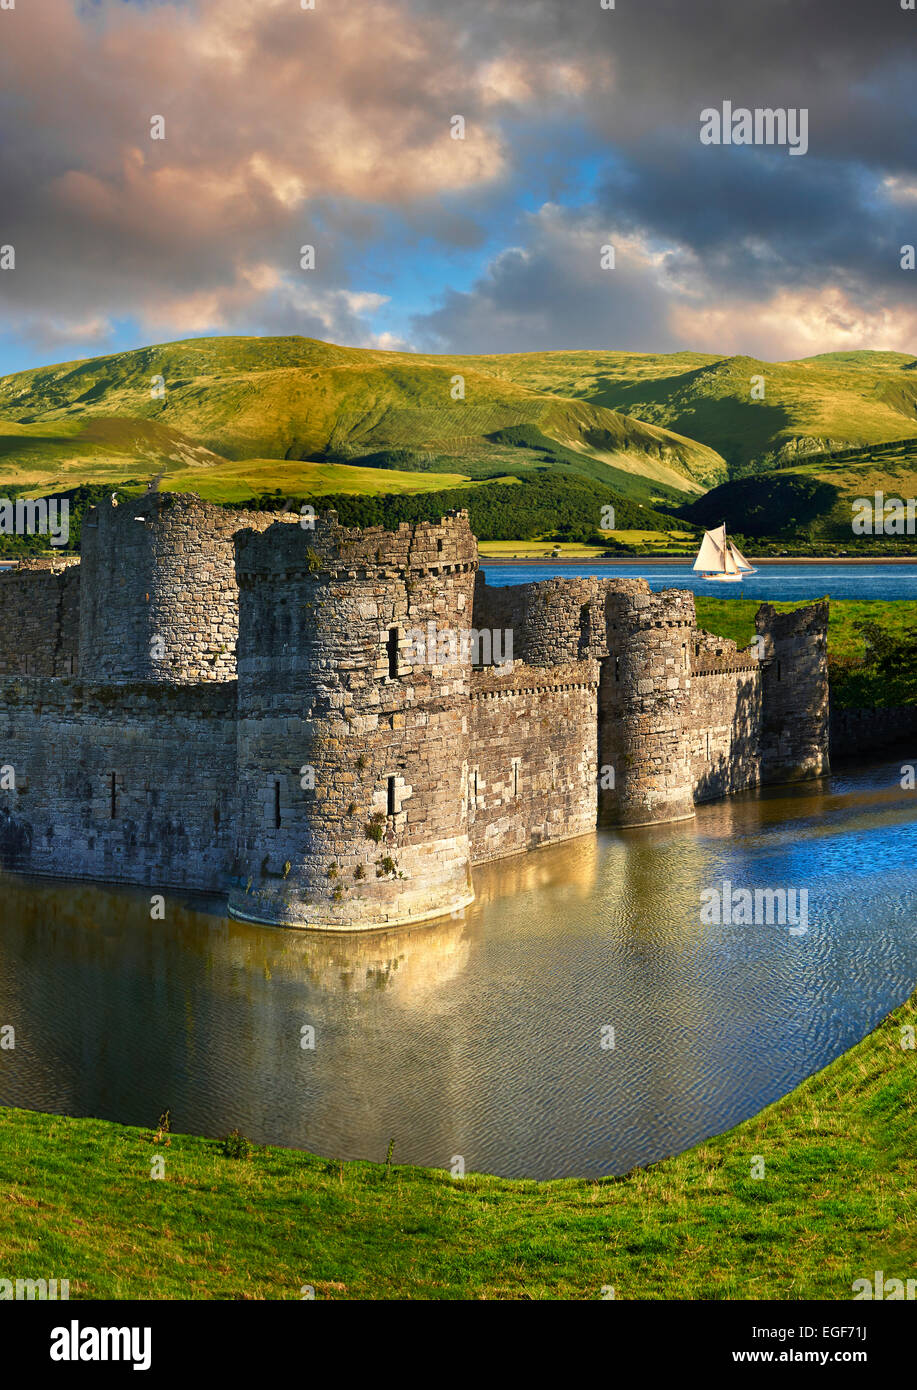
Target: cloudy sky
<point>332,127</point>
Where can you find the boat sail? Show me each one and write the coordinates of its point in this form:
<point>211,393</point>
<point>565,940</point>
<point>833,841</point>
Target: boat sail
<point>719,559</point>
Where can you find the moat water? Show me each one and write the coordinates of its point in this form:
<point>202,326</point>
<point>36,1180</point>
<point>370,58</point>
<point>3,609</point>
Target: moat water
<point>774,583</point>
<point>481,1036</point>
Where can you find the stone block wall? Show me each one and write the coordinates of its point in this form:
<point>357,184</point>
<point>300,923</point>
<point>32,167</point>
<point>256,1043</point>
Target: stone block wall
<point>644,705</point>
<point>554,622</point>
<point>159,600</point>
<point>794,730</point>
<point>119,784</point>
<point>725,717</point>
<point>39,618</point>
<point>532,774</point>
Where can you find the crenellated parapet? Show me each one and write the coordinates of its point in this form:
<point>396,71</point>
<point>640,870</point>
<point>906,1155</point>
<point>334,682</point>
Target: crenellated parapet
<point>419,550</point>
<point>40,617</point>
<point>717,656</point>
<point>553,621</point>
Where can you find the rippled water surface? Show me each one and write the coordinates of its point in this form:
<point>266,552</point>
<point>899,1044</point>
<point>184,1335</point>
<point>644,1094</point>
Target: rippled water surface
<point>773,583</point>
<point>480,1036</point>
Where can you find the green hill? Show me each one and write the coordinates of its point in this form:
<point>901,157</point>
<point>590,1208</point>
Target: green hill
<point>813,498</point>
<point>227,400</point>
<point>813,406</point>
<point>244,417</point>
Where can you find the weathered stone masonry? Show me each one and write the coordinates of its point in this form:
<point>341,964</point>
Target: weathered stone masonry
<point>222,701</point>
<point>40,618</point>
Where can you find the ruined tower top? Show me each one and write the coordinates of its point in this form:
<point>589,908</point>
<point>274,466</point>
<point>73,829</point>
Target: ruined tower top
<point>158,598</point>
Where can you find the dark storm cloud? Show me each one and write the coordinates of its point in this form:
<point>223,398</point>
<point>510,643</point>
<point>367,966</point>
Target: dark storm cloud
<point>286,127</point>
<point>754,218</point>
<point>552,292</point>
<point>733,226</point>
<point>850,61</point>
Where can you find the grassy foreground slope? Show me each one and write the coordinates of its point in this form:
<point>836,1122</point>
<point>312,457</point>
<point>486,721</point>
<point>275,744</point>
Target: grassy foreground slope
<point>837,1202</point>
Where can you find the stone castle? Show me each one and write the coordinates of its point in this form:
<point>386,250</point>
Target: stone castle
<point>223,701</point>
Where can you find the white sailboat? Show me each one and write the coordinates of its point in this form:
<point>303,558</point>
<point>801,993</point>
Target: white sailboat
<point>719,559</point>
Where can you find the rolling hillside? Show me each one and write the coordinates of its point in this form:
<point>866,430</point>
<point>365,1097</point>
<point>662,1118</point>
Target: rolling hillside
<point>830,402</point>
<point>291,399</point>
<point>244,417</point>
<point>814,497</point>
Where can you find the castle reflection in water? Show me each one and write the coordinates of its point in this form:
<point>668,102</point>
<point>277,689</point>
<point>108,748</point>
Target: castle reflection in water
<point>479,1034</point>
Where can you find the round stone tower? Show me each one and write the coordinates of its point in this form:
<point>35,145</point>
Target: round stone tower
<point>644,705</point>
<point>559,621</point>
<point>158,597</point>
<point>354,664</point>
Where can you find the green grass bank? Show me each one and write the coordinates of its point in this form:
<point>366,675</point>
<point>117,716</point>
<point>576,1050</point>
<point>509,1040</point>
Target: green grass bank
<point>861,673</point>
<point>837,1201</point>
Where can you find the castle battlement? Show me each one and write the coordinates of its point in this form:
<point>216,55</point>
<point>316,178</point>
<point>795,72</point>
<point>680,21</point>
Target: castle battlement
<point>220,700</point>
<point>422,549</point>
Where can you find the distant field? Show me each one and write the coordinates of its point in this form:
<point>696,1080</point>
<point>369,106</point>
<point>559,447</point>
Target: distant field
<point>233,482</point>
<point>38,459</point>
<point>665,540</point>
<point>735,619</point>
<point>852,682</point>
<point>671,541</point>
<point>537,550</point>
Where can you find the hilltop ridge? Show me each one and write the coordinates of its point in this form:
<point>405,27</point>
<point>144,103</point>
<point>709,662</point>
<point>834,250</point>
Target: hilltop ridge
<point>238,417</point>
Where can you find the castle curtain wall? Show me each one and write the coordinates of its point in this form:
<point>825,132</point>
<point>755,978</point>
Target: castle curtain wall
<point>345,779</point>
<point>119,784</point>
<point>533,757</point>
<point>725,718</point>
